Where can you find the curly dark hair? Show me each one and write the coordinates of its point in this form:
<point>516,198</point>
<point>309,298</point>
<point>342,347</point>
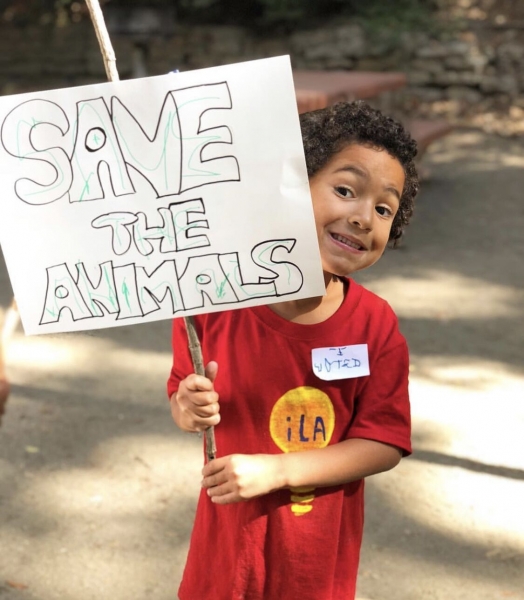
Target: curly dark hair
<point>328,130</point>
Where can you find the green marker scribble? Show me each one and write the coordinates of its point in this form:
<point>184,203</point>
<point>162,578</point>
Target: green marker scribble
<point>111,297</point>
<point>206,140</point>
<point>85,106</point>
<point>50,157</point>
<point>220,291</point>
<point>163,154</point>
<point>57,283</point>
<point>92,296</point>
<point>85,189</point>
<point>267,263</point>
<point>208,273</point>
<point>161,285</point>
<point>139,241</point>
<point>185,227</point>
<point>125,291</point>
<point>239,282</point>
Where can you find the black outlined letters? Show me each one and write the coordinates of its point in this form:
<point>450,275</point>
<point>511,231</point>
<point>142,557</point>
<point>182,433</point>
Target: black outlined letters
<point>132,201</point>
<point>185,151</point>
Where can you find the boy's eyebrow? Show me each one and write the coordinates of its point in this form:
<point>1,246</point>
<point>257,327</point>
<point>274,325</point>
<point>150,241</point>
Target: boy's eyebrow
<point>353,169</point>
<point>394,191</point>
<point>364,175</point>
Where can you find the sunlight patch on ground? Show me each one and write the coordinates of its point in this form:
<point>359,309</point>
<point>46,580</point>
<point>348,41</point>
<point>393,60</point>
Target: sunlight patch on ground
<point>478,423</point>
<point>128,475</point>
<point>136,492</point>
<point>86,354</point>
<point>420,574</point>
<point>466,372</point>
<point>88,563</point>
<point>444,295</point>
<point>462,144</point>
<point>40,353</point>
<point>469,507</point>
<point>512,160</point>
<point>466,477</point>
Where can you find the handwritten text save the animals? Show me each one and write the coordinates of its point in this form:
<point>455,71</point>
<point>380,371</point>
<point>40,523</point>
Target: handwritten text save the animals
<point>148,199</point>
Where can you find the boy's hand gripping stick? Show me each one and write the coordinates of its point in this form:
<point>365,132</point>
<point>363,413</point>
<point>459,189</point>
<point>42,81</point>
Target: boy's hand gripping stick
<point>198,365</point>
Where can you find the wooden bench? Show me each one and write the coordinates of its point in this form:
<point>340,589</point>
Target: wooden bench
<point>425,131</point>
<point>323,88</point>
<point>318,89</point>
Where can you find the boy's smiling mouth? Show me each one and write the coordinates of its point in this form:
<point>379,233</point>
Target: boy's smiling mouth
<point>350,242</point>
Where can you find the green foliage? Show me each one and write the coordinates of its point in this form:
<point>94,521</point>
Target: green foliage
<point>290,14</point>
<point>255,14</point>
<point>398,15</point>
<point>42,12</point>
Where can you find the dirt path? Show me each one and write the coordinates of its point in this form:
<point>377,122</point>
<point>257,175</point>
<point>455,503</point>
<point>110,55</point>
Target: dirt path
<point>97,488</point>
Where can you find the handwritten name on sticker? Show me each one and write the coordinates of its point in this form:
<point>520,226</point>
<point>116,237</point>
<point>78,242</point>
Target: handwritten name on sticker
<point>340,362</point>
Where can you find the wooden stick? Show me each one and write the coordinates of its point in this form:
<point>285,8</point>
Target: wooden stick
<point>103,39</point>
<point>112,74</point>
<point>198,365</point>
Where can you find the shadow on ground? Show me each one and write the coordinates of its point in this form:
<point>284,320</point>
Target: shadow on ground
<point>98,489</point>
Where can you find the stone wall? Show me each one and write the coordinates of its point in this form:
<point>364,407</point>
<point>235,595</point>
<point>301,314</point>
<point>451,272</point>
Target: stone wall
<point>476,70</point>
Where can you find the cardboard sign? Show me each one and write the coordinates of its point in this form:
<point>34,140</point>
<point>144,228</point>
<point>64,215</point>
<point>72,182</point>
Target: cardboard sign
<point>146,199</point>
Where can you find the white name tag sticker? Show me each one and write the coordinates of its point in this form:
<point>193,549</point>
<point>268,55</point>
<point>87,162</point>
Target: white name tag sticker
<point>340,362</point>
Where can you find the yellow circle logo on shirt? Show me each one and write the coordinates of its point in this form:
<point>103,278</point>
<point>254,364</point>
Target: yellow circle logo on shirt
<point>302,419</point>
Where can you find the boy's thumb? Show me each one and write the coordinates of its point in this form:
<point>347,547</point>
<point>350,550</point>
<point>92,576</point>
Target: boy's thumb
<point>211,370</point>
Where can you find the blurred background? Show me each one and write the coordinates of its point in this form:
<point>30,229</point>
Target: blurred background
<point>462,58</point>
<point>98,489</point>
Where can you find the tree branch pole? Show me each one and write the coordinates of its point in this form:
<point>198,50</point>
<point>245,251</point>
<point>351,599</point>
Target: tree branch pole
<point>112,74</point>
<point>198,365</point>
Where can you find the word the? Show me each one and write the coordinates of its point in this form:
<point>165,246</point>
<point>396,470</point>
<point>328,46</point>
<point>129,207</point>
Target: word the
<point>176,233</point>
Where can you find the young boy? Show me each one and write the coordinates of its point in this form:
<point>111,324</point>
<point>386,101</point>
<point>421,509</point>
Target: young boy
<point>280,515</point>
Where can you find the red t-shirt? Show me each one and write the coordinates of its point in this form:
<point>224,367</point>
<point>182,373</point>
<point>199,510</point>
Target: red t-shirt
<point>291,544</point>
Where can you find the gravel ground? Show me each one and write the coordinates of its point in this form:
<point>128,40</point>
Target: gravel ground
<point>98,489</point>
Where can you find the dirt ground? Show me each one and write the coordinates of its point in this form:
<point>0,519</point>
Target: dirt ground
<point>98,488</point>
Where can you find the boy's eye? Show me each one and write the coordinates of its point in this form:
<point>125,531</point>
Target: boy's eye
<point>345,192</point>
<point>385,211</point>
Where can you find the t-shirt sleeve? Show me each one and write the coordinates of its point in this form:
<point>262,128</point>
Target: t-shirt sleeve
<point>382,410</point>
<point>182,364</point>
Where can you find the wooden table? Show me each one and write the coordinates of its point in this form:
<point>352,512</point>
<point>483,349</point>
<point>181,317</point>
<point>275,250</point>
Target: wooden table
<point>318,89</point>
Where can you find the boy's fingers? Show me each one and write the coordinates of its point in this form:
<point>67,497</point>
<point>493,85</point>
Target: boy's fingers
<point>206,410</point>
<point>207,422</point>
<point>212,467</point>
<point>203,399</point>
<point>211,370</point>
<point>198,383</point>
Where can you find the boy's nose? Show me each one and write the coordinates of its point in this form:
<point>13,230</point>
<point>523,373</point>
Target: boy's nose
<point>362,217</point>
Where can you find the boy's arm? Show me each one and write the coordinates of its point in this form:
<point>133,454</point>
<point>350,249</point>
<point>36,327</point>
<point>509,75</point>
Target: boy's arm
<point>240,477</point>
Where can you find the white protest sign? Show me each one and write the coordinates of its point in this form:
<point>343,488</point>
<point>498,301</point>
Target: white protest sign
<point>146,199</point>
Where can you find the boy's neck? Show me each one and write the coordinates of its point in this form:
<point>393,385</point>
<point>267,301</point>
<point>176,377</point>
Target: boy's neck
<point>309,311</point>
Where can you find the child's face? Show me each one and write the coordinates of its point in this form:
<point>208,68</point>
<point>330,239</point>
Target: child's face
<point>355,198</point>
